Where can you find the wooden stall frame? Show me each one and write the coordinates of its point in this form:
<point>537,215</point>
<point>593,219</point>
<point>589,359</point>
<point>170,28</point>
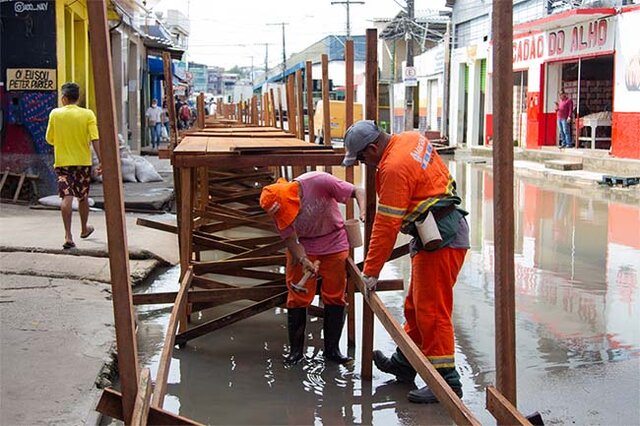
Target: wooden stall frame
<point>300,105</point>
<point>349,176</point>
<point>308,73</point>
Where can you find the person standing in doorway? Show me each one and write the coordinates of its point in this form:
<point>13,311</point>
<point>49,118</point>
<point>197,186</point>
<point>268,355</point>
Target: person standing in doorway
<point>70,130</point>
<point>413,183</point>
<point>308,218</point>
<point>564,108</point>
<point>154,122</point>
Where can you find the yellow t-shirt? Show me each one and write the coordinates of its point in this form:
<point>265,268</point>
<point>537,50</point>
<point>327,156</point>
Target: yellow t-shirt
<point>71,129</point>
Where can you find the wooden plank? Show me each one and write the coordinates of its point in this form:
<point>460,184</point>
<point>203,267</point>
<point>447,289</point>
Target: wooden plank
<point>171,105</point>
<point>232,318</point>
<point>203,187</point>
<point>300,104</point>
<point>252,273</point>
<point>114,206</point>
<point>280,112</point>
<point>457,410</point>
<point>348,53</point>
<point>224,265</point>
<point>291,105</point>
<point>371,71</point>
<point>503,217</point>
<point>262,251</point>
<point>110,405</point>
<point>504,412</point>
<point>254,110</point>
<point>5,175</point>
<point>201,113</point>
<point>185,223</point>
<point>219,295</point>
<point>177,314</point>
<point>311,158</point>
<point>16,195</point>
<point>141,408</point>
<point>309,77</point>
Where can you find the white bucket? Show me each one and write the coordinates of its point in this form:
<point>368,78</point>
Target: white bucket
<point>354,234</point>
<point>429,233</point>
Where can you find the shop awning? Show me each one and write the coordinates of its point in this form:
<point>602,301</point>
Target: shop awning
<point>562,19</point>
<point>156,66</point>
<point>278,77</point>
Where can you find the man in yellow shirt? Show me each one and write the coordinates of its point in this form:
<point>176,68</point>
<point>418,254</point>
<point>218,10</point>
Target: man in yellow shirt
<point>70,129</point>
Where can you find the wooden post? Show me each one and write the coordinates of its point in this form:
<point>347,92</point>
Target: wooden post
<point>326,107</point>
<point>505,318</point>
<point>348,48</point>
<point>371,113</point>
<point>272,106</point>
<point>201,114</point>
<point>171,102</point>
<point>254,110</point>
<point>309,77</point>
<point>114,206</point>
<point>300,104</point>
<point>291,105</point>
<point>265,108</point>
<point>280,112</point>
<point>185,233</point>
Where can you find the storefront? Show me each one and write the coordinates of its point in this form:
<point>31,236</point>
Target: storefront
<point>588,54</point>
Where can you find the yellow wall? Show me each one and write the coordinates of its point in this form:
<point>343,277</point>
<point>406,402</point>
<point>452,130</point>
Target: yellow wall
<point>74,62</point>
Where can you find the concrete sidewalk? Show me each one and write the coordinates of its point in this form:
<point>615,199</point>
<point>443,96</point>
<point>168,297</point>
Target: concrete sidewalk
<point>56,312</point>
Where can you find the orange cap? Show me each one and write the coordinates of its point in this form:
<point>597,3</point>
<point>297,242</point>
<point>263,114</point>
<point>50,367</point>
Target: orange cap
<point>286,195</point>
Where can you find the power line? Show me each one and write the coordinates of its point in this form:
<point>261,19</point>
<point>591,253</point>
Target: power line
<point>347,3</point>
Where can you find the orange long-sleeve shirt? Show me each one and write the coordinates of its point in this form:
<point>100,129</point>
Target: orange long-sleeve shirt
<point>411,178</point>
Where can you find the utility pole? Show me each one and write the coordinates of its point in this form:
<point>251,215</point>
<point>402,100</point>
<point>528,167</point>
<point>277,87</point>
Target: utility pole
<point>408,94</point>
<point>347,3</point>
<point>284,48</point>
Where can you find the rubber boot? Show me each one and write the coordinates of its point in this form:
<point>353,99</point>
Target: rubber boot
<point>333,324</point>
<point>296,324</point>
<point>425,395</point>
<point>397,365</point>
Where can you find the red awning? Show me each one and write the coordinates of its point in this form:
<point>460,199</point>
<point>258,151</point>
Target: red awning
<point>563,19</point>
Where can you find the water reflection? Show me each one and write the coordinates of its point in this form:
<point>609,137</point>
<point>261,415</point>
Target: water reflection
<point>577,263</point>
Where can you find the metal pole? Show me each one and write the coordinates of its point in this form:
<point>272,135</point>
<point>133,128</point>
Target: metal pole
<point>348,3</point>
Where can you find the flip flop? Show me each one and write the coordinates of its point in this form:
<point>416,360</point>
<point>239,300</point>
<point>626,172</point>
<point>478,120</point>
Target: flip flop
<point>91,229</point>
<point>68,245</point>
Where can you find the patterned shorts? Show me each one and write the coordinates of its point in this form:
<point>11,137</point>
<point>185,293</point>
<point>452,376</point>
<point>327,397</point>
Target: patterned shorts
<point>74,181</point>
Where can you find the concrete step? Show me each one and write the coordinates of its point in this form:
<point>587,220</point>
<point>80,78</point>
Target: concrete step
<point>563,165</point>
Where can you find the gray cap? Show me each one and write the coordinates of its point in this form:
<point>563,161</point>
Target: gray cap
<point>360,135</point>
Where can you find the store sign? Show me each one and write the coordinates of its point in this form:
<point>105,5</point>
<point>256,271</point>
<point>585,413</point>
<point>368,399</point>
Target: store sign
<point>31,79</point>
<point>578,40</point>
<point>410,77</point>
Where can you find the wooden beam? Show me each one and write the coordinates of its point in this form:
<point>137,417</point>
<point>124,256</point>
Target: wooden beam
<point>224,265</point>
<point>141,408</point>
<point>504,412</point>
<point>371,113</point>
<point>171,103</point>
<point>307,158</point>
<point>457,410</point>
<point>280,114</point>
<point>262,251</point>
<point>349,176</point>
<point>300,104</point>
<point>201,111</point>
<point>110,405</point>
<point>308,72</point>
<point>185,222</point>
<point>503,217</point>
<point>291,105</point>
<point>177,314</point>
<point>232,318</point>
<point>348,58</point>
<point>114,205</point>
<point>220,295</point>
<point>272,107</point>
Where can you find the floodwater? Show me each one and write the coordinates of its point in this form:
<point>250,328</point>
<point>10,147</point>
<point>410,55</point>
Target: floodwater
<point>577,321</point>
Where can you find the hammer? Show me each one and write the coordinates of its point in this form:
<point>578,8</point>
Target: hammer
<point>299,287</point>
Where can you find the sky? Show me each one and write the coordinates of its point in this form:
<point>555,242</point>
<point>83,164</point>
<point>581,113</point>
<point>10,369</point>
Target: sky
<point>230,32</point>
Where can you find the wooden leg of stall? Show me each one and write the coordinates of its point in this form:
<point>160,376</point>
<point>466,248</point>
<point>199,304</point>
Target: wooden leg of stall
<point>185,230</point>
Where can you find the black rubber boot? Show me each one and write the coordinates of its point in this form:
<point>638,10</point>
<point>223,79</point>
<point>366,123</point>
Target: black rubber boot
<point>333,324</point>
<point>296,322</point>
<point>397,365</point>
<point>425,395</point>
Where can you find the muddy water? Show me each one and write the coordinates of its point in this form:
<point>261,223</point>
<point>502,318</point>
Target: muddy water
<point>578,325</point>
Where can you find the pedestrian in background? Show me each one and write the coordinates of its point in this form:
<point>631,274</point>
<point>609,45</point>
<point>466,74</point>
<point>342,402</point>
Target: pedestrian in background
<point>413,182</point>
<point>308,218</point>
<point>70,130</point>
<point>564,108</point>
<point>154,122</point>
<point>166,131</point>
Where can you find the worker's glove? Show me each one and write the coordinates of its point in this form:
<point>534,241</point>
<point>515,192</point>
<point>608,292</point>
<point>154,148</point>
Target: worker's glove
<point>370,282</point>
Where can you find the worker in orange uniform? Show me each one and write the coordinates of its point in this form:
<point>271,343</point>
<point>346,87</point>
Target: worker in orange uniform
<point>308,218</point>
<point>411,182</point>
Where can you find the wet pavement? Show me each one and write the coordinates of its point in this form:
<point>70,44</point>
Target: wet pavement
<point>577,321</point>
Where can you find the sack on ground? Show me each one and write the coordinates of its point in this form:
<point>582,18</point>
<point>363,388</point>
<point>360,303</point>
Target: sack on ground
<point>128,167</point>
<point>145,172</point>
<point>56,201</point>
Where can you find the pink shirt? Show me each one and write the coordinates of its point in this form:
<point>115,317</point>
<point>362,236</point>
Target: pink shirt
<point>319,223</point>
<point>564,108</point>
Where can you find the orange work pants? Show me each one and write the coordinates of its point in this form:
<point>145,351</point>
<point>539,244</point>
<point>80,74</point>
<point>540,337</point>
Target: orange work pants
<point>333,271</point>
<point>429,303</point>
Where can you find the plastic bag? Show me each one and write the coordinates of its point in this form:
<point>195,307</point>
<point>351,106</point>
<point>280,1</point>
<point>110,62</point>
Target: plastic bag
<point>164,135</point>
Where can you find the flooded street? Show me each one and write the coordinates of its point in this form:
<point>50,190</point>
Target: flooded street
<point>578,328</point>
